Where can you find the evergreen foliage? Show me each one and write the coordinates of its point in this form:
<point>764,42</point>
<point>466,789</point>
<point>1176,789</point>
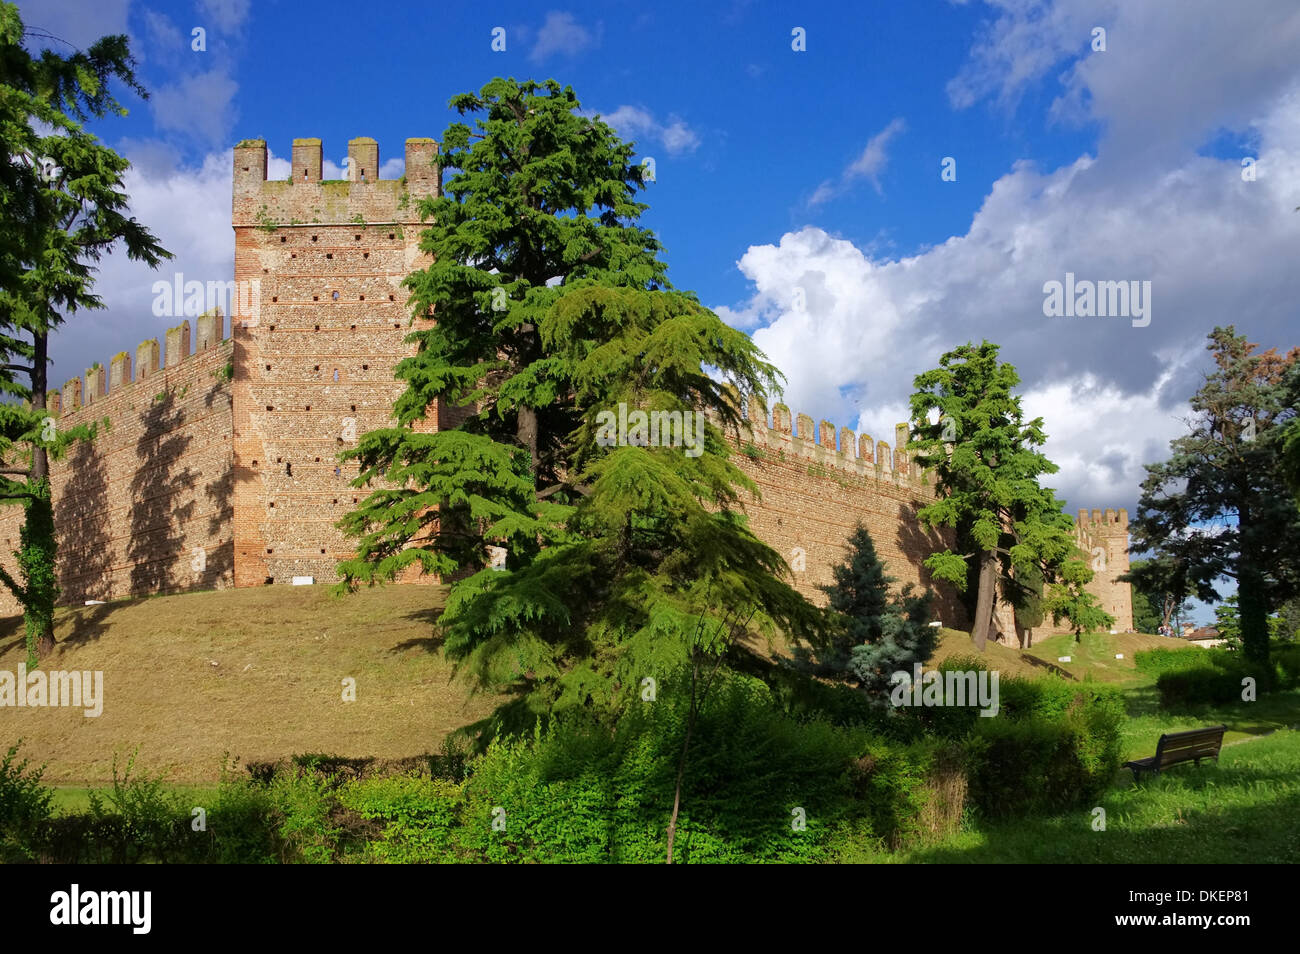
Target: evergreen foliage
<point>551,307</point>
<point>873,634</point>
<point>63,205</point>
<point>1219,506</point>
<point>1011,534</point>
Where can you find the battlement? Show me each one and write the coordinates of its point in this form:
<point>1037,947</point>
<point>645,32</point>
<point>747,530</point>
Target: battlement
<point>306,199</point>
<point>853,453</point>
<point>123,371</point>
<point>1115,520</point>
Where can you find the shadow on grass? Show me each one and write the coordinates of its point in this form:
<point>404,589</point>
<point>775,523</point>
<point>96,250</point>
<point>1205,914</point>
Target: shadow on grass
<point>1051,667</point>
<point>430,644</point>
<point>87,623</point>
<point>90,623</point>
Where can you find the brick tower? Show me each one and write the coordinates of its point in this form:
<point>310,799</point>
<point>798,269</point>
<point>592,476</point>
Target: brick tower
<point>1105,539</point>
<point>322,318</point>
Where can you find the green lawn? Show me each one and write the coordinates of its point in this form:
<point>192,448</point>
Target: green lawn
<point>1092,656</point>
<point>1241,810</point>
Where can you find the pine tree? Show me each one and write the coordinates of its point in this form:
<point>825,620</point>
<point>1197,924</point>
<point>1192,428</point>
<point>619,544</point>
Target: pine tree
<point>873,634</point>
<point>62,200</point>
<point>552,309</point>
<point>1220,507</point>
<point>968,426</point>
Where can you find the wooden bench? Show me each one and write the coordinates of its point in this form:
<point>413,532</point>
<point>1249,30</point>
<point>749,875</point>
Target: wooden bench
<point>1174,747</point>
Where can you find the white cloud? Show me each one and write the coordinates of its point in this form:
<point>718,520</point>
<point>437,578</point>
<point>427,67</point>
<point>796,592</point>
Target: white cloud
<point>228,15</point>
<point>851,330</point>
<point>75,21</point>
<point>867,166</point>
<point>162,34</point>
<point>874,158</point>
<point>633,122</point>
<point>562,34</point>
<point>1168,74</point>
<point>188,209</point>
<point>201,107</point>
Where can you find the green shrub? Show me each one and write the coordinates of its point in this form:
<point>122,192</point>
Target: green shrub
<point>1286,657</point>
<point>1154,662</point>
<point>1193,678</point>
<point>578,792</point>
<point>140,819</point>
<point>418,817</point>
<point>1202,686</point>
<point>241,824</point>
<point>302,807</point>
<point>25,808</point>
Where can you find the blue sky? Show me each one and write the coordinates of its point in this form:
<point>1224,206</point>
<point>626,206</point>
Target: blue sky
<point>799,192</point>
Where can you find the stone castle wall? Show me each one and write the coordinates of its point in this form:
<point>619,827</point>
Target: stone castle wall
<point>147,506</point>
<point>227,459</point>
<point>814,493</point>
<point>316,348</point>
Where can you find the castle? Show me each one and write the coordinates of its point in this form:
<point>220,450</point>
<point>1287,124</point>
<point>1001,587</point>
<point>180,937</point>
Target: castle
<point>221,465</point>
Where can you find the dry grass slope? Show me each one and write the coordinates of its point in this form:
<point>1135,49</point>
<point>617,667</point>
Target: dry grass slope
<point>256,673</point>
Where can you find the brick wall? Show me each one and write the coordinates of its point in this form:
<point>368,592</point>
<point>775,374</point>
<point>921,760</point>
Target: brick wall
<point>316,346</point>
<point>146,507</point>
<point>815,491</point>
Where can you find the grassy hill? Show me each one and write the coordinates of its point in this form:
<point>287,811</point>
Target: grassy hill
<point>256,673</point>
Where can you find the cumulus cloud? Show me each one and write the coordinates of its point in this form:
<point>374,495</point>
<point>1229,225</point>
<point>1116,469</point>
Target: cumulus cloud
<point>674,135</point>
<point>201,107</point>
<point>1166,76</point>
<point>227,15</point>
<point>562,34</point>
<point>851,330</point>
<point>188,209</point>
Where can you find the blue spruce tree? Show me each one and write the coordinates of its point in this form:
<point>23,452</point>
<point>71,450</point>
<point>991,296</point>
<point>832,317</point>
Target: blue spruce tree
<point>873,634</point>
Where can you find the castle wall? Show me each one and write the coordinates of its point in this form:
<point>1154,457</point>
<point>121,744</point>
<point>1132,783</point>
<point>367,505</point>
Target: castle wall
<point>815,491</point>
<point>1104,537</point>
<point>315,344</point>
<point>146,507</point>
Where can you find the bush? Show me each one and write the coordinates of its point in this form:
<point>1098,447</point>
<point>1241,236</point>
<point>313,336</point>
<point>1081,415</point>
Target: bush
<point>1053,743</point>
<point>25,808</point>
<point>303,812</point>
<point>1048,758</point>
<point>241,825</point>
<point>418,816</point>
<point>1202,686</point>
<point>140,819</point>
<point>1286,656</point>
<point>579,792</point>
<point>1154,662</point>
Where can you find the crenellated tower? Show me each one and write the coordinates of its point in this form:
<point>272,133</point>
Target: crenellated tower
<point>319,265</point>
<point>1104,538</point>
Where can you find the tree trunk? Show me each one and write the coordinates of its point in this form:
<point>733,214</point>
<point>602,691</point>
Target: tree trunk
<point>526,434</point>
<point>984,601</point>
<point>1252,611</point>
<point>1168,608</point>
<point>39,524</point>
<point>1252,598</point>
